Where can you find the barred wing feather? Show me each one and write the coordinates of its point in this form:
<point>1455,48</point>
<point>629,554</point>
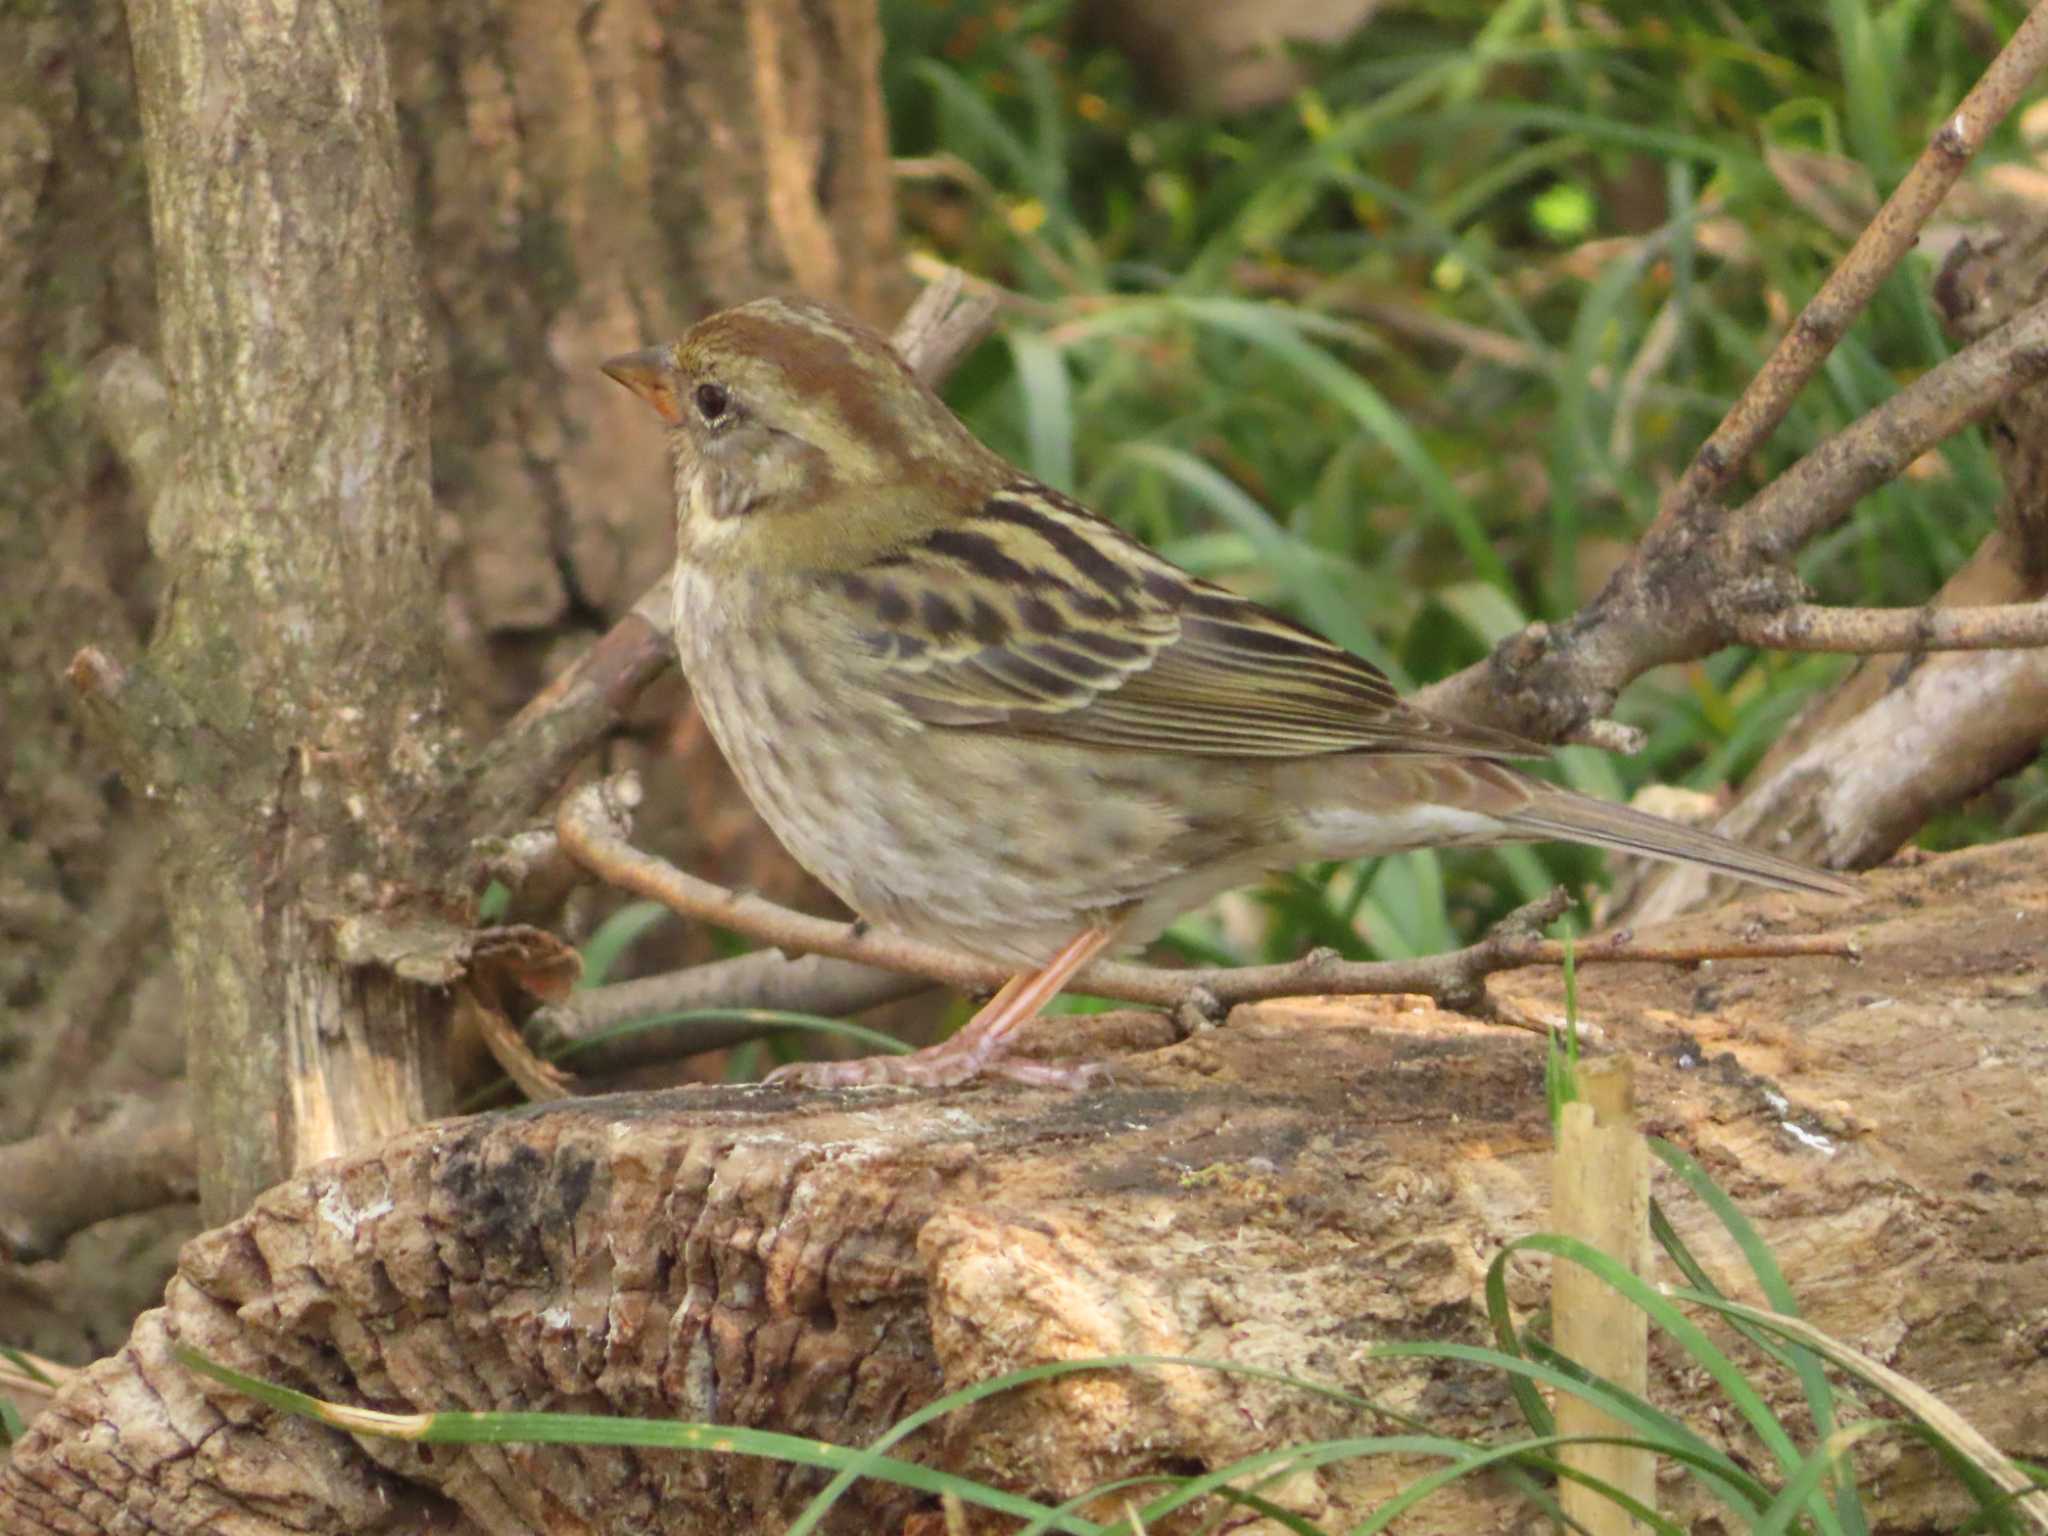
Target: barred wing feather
<point>1035,617</point>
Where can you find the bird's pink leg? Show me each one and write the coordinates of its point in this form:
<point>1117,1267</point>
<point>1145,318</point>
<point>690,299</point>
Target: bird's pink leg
<point>981,1045</point>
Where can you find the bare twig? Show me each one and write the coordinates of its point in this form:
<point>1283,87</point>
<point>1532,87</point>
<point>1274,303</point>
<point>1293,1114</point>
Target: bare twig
<point>1609,736</point>
<point>539,1080</point>
<point>592,826</point>
<point>526,762</point>
<point>943,324</point>
<point>1621,948</point>
<point>1818,492</point>
<point>765,980</point>
<point>1880,248</point>
<point>1879,631</point>
<point>530,756</point>
<point>1695,582</point>
<point>1681,596</point>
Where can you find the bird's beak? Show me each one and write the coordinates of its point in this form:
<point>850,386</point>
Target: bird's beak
<point>650,373</point>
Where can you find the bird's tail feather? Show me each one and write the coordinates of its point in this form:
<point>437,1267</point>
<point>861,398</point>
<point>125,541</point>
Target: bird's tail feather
<point>1561,813</point>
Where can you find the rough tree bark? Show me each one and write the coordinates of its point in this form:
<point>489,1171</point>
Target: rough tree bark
<point>579,190</point>
<point>289,715</point>
<point>1284,1191</point>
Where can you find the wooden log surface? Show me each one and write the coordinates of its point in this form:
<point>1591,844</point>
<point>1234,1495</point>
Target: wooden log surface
<point>1284,1191</point>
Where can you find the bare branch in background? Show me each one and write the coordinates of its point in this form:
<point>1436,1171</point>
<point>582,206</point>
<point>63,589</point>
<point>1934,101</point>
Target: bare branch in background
<point>1820,491</point>
<point>1907,734</point>
<point>1855,280</point>
<point>97,1161</point>
<point>764,981</point>
<point>1874,631</point>
<point>1696,578</point>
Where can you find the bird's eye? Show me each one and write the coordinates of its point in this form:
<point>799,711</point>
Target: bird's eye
<point>712,401</point>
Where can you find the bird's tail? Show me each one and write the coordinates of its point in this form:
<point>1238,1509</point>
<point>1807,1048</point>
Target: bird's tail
<point>1562,813</point>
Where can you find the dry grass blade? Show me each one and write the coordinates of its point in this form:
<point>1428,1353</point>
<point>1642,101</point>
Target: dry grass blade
<point>2028,1497</point>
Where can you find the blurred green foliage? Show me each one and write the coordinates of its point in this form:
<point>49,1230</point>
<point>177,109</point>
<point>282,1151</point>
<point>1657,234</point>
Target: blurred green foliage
<point>1412,353</point>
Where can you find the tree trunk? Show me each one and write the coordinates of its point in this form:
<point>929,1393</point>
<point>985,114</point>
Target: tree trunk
<point>574,190</point>
<point>289,715</point>
<point>1282,1192</point>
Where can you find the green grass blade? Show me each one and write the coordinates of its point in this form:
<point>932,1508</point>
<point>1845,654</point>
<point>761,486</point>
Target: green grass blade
<point>1490,1458</point>
<point>1763,1264</point>
<point>1746,1399</point>
<point>1740,1489</point>
<point>1535,1412</point>
<point>1804,1486</point>
<point>614,936</point>
<point>1265,327</point>
<point>1048,408</point>
<point>645,1434</point>
<point>815,1511</point>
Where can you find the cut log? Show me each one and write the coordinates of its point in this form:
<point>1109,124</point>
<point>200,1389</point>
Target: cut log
<point>1285,1191</point>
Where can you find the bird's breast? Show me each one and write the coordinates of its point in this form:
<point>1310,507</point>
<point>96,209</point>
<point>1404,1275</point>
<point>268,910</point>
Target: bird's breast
<point>1000,845</point>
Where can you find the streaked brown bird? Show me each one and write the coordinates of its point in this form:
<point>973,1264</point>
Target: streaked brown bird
<point>985,716</point>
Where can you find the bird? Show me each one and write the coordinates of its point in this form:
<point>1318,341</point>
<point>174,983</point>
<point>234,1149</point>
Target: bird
<point>985,716</point>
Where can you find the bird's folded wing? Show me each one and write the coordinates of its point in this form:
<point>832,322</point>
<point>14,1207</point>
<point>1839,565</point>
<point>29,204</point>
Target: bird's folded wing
<point>1035,617</point>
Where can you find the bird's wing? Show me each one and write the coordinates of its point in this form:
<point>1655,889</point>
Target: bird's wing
<point>1033,616</point>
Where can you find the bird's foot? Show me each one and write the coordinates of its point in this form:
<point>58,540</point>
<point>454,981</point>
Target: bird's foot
<point>982,1048</point>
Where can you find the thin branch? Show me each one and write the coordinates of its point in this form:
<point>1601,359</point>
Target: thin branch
<point>1879,631</point>
<point>943,324</point>
<point>1819,491</point>
<point>1609,736</point>
<point>539,1080</point>
<point>1680,597</point>
<point>764,980</point>
<point>754,987</point>
<point>539,745</point>
<point>1621,948</point>
<point>593,822</point>
<point>529,757</point>
<point>1849,288</point>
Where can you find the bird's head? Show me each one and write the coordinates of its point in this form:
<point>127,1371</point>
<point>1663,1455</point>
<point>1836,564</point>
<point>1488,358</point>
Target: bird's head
<point>801,440</point>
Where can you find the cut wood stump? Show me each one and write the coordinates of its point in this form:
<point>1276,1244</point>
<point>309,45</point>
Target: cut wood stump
<point>1286,1191</point>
